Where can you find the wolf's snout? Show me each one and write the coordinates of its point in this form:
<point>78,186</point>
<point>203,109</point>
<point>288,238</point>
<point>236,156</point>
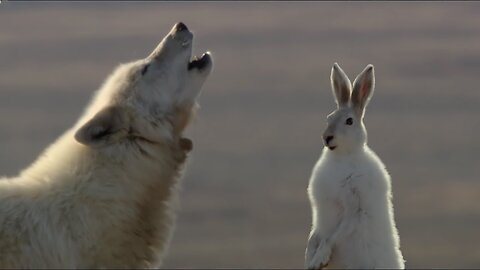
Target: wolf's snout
<point>181,34</point>
<point>200,63</point>
<point>179,27</point>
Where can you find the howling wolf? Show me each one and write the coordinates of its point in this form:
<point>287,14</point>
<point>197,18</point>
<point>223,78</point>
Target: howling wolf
<point>101,195</point>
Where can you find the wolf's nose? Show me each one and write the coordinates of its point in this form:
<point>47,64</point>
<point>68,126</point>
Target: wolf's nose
<point>328,139</point>
<point>180,27</point>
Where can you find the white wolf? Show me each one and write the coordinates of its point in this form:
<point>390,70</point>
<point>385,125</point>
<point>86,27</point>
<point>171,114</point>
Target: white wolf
<point>101,195</point>
<point>350,190</point>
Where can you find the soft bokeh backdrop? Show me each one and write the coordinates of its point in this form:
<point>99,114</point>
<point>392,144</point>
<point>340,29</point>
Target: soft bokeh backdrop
<point>257,135</point>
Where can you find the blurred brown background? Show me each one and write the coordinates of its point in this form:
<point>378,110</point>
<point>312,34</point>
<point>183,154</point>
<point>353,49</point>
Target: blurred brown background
<point>257,135</point>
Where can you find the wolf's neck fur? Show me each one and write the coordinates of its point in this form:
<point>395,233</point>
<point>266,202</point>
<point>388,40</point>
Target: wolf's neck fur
<point>124,219</point>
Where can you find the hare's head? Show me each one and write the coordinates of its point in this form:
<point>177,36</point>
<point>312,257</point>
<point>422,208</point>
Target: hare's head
<point>345,130</point>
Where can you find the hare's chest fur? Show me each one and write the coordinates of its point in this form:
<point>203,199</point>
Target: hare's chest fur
<point>334,179</point>
<point>332,176</point>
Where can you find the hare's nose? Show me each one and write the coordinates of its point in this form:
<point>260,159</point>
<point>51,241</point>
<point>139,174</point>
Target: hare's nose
<point>328,139</point>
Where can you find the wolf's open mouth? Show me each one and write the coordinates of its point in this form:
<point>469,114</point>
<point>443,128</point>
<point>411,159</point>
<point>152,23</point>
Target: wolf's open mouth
<point>200,63</point>
<point>332,147</point>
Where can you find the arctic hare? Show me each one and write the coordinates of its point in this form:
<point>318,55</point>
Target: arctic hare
<point>350,190</point>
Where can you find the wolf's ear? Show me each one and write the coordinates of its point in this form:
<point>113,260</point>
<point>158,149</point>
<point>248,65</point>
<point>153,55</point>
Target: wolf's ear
<point>363,87</point>
<point>341,85</point>
<point>101,127</point>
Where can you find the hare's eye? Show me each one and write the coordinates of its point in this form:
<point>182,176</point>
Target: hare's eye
<point>144,70</point>
<point>349,121</point>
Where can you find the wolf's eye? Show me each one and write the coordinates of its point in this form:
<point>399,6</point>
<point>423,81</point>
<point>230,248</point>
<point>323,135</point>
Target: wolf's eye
<point>349,121</point>
<point>144,69</point>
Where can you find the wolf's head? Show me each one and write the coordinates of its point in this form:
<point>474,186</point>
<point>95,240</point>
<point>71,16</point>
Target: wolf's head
<point>148,101</point>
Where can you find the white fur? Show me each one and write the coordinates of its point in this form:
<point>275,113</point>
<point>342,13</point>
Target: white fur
<point>350,191</point>
<point>102,195</point>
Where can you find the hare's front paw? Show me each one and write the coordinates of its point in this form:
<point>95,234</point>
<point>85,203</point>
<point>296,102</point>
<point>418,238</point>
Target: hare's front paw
<point>321,257</point>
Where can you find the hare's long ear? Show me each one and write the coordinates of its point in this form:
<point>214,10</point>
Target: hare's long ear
<point>341,86</point>
<point>101,127</point>
<point>363,87</point>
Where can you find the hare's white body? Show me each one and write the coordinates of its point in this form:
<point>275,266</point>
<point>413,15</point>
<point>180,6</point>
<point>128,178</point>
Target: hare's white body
<point>353,194</point>
<point>350,190</point>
